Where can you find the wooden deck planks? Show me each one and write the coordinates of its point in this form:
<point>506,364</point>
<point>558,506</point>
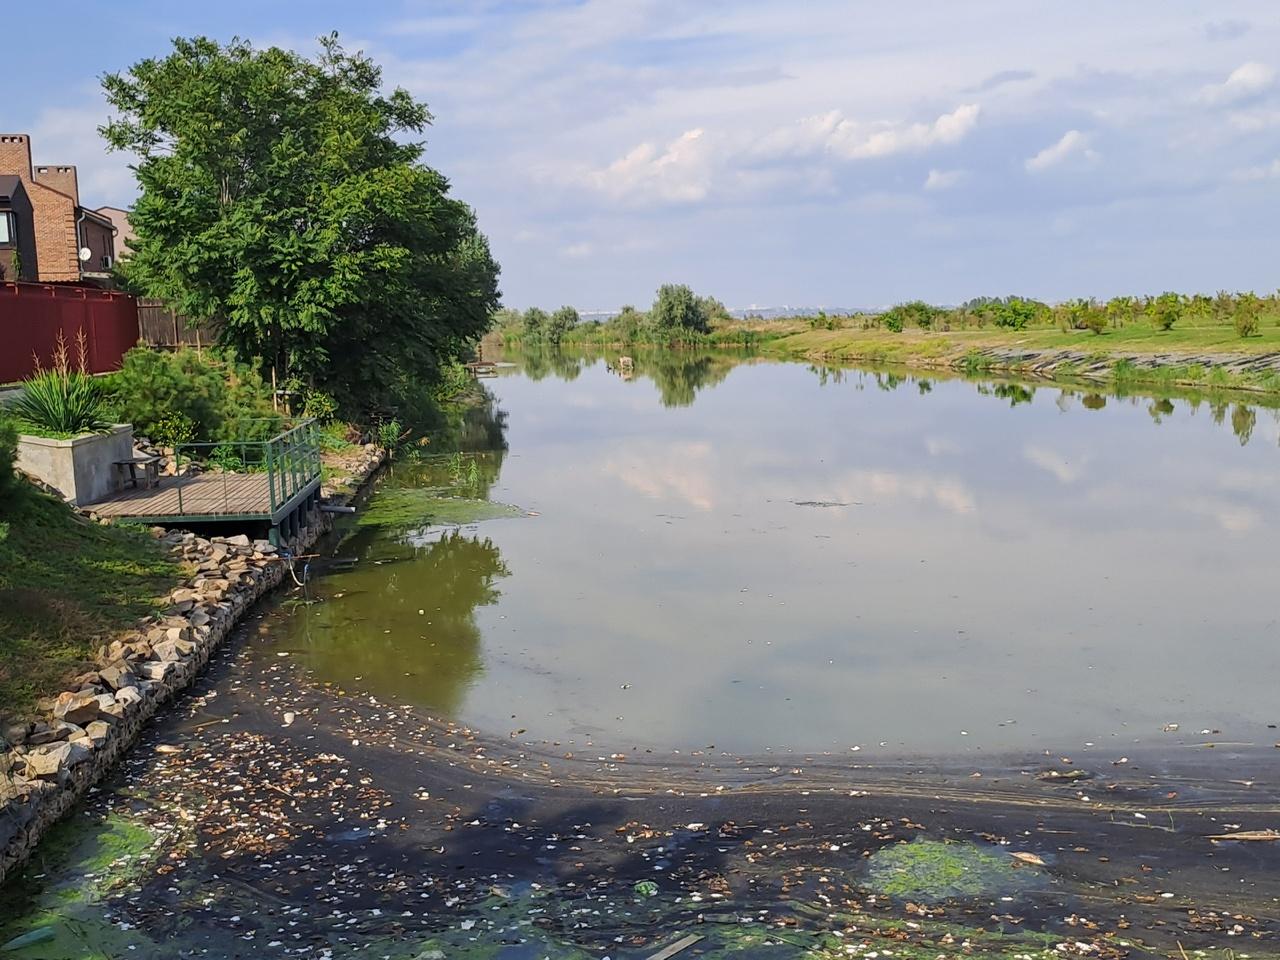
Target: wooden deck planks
<point>215,494</point>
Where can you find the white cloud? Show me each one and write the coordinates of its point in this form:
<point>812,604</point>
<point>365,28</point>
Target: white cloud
<point>577,251</point>
<point>943,179</point>
<point>1246,80</point>
<point>679,471</point>
<point>679,172</point>
<point>1255,121</point>
<point>834,133</point>
<point>1262,172</point>
<point>1055,463</point>
<point>1073,143</point>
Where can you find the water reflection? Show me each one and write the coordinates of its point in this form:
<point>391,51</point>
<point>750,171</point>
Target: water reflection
<point>402,622</point>
<point>677,374</point>
<point>773,556</point>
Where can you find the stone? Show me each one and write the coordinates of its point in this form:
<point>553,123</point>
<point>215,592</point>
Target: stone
<point>127,696</point>
<point>47,761</point>
<point>117,674</point>
<point>174,650</point>
<point>180,634</point>
<point>78,708</point>
<point>239,540</point>
<point>158,670</point>
<point>98,732</point>
<point>198,618</point>
<point>15,733</point>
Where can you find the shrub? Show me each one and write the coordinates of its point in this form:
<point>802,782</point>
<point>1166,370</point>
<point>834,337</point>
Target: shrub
<point>1248,306</point>
<point>63,399</point>
<point>892,320</point>
<point>320,405</point>
<point>1165,310</point>
<point>223,399</point>
<point>226,457</point>
<point>8,453</point>
<point>1014,313</point>
<point>390,434</point>
<point>173,429</point>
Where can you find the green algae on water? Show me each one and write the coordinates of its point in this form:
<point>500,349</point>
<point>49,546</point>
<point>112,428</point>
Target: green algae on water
<point>409,507</point>
<point>933,871</point>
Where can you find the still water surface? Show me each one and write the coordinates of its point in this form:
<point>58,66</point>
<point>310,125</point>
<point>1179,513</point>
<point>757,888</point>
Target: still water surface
<point>766,557</point>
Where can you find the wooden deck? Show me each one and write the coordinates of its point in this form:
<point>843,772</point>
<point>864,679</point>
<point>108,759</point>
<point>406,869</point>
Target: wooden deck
<point>207,496</point>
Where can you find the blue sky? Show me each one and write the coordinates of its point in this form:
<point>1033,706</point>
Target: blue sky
<point>840,153</point>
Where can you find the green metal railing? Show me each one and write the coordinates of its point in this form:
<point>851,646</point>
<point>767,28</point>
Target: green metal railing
<point>290,461</point>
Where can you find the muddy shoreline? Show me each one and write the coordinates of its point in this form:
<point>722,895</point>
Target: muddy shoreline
<point>290,818</point>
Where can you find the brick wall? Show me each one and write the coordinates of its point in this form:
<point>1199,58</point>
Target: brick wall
<point>63,179</point>
<point>53,211</point>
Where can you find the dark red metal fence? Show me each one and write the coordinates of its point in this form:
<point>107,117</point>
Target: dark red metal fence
<point>33,314</point>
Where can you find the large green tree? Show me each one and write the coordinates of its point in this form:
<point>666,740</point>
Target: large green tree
<point>676,310</point>
<point>284,197</point>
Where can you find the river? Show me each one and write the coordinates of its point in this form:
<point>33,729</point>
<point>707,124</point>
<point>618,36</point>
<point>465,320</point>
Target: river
<point>718,550</point>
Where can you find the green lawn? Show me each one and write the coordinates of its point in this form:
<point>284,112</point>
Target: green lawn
<point>66,586</point>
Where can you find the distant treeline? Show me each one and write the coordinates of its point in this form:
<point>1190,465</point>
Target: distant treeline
<point>1243,311</point>
<point>677,315</point>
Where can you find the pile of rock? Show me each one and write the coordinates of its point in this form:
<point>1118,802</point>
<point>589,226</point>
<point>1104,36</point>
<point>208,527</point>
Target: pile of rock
<point>347,471</point>
<point>47,765</point>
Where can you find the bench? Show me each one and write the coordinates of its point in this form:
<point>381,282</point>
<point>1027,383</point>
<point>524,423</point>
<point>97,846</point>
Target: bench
<point>150,471</point>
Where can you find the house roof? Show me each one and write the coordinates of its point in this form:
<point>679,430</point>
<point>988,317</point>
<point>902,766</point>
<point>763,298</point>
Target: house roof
<point>9,185</point>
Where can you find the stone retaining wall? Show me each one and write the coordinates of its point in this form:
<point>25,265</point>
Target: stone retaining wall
<point>49,764</point>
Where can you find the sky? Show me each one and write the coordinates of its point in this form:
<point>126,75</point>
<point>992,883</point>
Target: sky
<point>842,154</point>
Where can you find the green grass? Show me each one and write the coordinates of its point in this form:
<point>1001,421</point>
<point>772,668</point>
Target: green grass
<point>66,586</point>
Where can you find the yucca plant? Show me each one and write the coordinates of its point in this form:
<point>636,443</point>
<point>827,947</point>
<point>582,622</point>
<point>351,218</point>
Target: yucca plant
<point>63,399</point>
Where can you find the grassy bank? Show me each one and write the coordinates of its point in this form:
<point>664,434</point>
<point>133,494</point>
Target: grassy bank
<point>1189,356</point>
<point>66,584</point>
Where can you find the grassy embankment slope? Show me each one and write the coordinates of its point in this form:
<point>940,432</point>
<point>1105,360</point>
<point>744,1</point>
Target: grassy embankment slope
<point>66,585</point>
<point>1120,353</point>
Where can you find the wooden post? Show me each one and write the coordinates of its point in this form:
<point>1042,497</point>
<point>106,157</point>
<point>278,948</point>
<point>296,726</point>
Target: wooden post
<point>177,341</point>
<point>275,400</point>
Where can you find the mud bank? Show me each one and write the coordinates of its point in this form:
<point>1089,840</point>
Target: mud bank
<point>268,815</point>
<point>50,763</point>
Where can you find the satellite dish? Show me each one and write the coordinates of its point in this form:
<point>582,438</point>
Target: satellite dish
<point>85,254</point>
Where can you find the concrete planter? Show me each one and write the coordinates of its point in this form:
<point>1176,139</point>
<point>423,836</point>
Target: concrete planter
<point>80,468</point>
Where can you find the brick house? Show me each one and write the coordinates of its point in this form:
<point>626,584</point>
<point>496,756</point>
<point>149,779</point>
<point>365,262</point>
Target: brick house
<point>17,231</point>
<point>72,243</point>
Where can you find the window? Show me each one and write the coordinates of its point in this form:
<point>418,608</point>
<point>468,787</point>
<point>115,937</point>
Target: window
<point>8,234</point>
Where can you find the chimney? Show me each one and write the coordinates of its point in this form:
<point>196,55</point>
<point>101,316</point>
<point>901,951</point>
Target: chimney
<point>15,155</point>
<point>62,179</point>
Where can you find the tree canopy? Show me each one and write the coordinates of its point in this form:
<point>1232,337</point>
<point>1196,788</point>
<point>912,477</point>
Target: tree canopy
<point>278,195</point>
<point>676,310</point>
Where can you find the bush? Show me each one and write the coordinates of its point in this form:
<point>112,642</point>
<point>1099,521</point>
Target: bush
<point>8,453</point>
<point>1247,308</point>
<point>320,405</point>
<point>1165,310</point>
<point>892,320</point>
<point>64,399</point>
<point>390,434</point>
<point>173,429</point>
<point>1014,313</point>
<point>223,399</point>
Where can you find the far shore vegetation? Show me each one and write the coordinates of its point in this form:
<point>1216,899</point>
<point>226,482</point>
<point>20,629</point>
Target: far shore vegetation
<point>1167,339</point>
